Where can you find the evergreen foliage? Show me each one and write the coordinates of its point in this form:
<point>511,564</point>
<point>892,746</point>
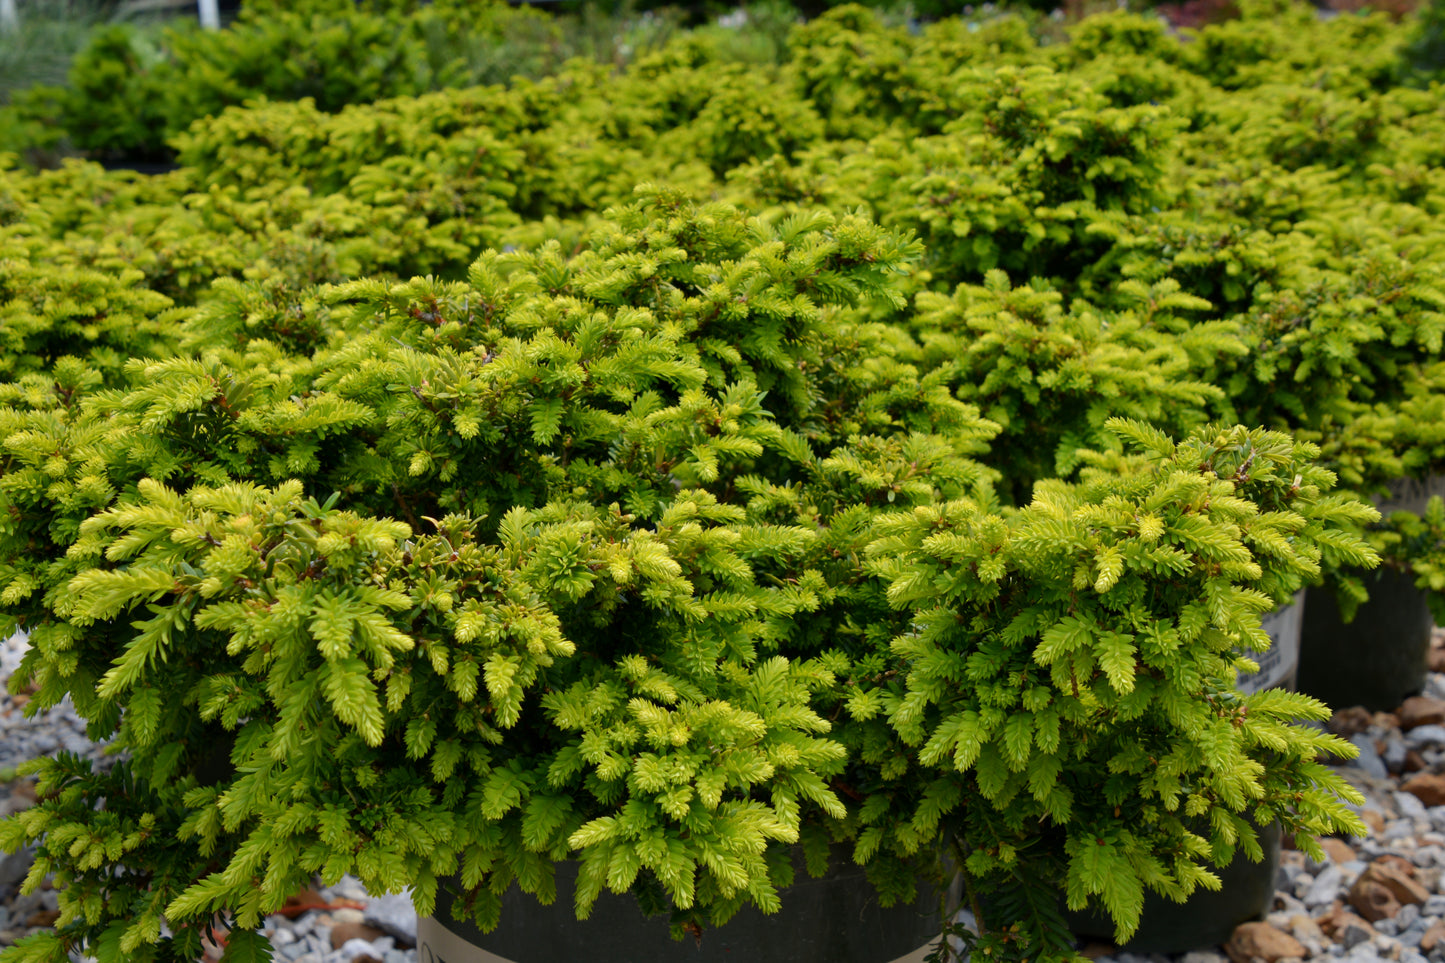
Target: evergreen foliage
<point>613,541</point>
<point>1052,380</point>
<point>407,495</point>
<point>1066,673</point>
<point>130,90</point>
<point>1425,57</point>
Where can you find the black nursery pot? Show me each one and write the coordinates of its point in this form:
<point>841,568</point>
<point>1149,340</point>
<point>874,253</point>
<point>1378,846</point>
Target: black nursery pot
<point>148,167</point>
<point>1378,659</point>
<point>836,919</point>
<point>1207,918</point>
<point>1374,661</point>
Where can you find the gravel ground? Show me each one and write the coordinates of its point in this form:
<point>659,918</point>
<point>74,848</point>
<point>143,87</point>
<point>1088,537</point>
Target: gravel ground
<point>339,924</point>
<point>1377,898</point>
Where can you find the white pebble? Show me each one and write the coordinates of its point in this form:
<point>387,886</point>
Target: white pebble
<point>1326,887</point>
<point>1431,735</point>
<point>1399,829</point>
<point>1203,956</point>
<point>349,887</point>
<point>351,949</point>
<point>1410,806</point>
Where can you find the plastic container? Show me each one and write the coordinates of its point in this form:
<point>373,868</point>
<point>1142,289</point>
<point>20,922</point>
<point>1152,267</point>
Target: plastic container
<point>1410,494</point>
<point>1377,659</point>
<point>836,919</point>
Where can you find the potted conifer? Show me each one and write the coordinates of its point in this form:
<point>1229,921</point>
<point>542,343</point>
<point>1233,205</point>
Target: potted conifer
<point>1369,631</point>
<point>655,565</point>
<point>1339,315</point>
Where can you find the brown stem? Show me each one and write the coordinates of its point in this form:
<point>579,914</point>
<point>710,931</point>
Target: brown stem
<point>410,515</point>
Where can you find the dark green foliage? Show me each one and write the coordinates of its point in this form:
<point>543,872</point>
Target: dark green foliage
<point>130,90</point>
<point>115,103</point>
<point>1424,59</point>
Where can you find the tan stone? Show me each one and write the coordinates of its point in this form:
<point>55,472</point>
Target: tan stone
<point>1338,919</point>
<point>302,902</point>
<point>42,917</point>
<point>1374,900</point>
<point>1261,940</point>
<point>1428,786</point>
<point>1436,659</point>
<point>1347,722</point>
<point>1305,928</point>
<point>309,900</point>
<point>342,932</point>
<point>1396,875</point>
<point>1414,762</point>
<point>1433,936</point>
<point>1386,721</point>
<point>1374,819</point>
<point>1421,711</point>
<point>1094,950</point>
<point>1395,862</point>
<point>1337,850</point>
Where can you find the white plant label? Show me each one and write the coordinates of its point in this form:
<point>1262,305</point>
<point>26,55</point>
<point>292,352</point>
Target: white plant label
<point>1277,665</point>
<point>1410,495</point>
